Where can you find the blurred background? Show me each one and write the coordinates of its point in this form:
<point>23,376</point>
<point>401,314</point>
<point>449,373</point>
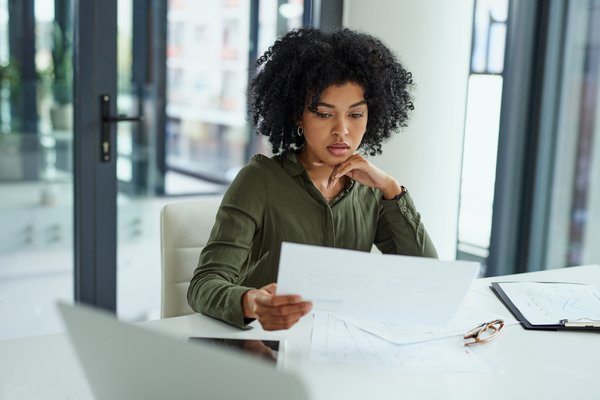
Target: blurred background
<point>501,155</point>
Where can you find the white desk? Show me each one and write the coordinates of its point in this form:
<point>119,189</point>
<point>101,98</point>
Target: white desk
<point>534,364</point>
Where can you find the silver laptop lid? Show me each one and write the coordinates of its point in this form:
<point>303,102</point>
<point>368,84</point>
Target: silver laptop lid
<point>122,361</point>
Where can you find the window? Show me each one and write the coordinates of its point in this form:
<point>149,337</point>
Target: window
<point>209,60</point>
<point>481,129</point>
<point>574,210</point>
<point>546,196</point>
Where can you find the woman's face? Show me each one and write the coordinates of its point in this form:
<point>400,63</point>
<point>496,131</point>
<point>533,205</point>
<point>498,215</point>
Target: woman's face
<point>335,129</point>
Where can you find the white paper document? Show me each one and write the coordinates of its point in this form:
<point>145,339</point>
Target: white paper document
<point>334,340</point>
<point>378,287</point>
<point>465,319</point>
<point>444,355</point>
<point>544,303</point>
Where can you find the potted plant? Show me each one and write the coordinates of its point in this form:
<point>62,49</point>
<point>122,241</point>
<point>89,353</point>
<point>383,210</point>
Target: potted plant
<point>61,113</point>
<point>10,91</point>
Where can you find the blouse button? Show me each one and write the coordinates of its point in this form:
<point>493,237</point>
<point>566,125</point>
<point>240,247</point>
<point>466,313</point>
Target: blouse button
<point>404,209</point>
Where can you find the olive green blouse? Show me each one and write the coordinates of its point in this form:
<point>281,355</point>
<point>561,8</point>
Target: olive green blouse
<point>273,200</point>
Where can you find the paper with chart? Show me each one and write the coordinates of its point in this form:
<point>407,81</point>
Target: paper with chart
<point>546,303</point>
<point>444,355</point>
<point>465,319</point>
<point>379,287</point>
<point>334,340</point>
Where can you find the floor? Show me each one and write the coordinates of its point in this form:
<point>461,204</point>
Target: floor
<point>36,256</point>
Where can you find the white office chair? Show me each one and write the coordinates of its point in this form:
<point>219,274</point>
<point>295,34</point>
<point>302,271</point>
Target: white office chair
<point>184,231</point>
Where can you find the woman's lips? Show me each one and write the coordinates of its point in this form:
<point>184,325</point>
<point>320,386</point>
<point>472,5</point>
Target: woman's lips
<point>338,149</point>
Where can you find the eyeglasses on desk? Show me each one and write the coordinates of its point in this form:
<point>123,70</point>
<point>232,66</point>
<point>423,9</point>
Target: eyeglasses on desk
<point>484,332</point>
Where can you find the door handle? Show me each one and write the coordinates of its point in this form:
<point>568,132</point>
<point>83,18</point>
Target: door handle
<point>107,119</point>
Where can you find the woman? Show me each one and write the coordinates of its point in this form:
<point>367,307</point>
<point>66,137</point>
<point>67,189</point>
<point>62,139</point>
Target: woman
<point>323,100</point>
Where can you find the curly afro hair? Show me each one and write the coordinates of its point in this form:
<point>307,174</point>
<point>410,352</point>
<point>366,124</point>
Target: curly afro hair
<point>303,63</point>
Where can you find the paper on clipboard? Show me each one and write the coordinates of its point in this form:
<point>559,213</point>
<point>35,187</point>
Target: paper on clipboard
<point>547,303</point>
<point>380,287</point>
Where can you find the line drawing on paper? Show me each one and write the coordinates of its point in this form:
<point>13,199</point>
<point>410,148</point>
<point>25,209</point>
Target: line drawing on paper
<point>563,299</point>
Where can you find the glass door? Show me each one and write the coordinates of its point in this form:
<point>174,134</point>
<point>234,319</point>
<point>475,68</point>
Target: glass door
<point>80,194</point>
<point>184,65</point>
<point>211,50</point>
<point>36,167</point>
<point>207,74</point>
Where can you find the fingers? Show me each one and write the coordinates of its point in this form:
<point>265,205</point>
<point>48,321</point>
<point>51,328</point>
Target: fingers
<point>271,288</point>
<point>361,170</point>
<point>275,324</point>
<point>249,298</point>
<point>280,312</point>
<point>355,162</point>
<point>272,311</point>
<point>286,321</point>
<point>358,168</point>
<point>270,300</point>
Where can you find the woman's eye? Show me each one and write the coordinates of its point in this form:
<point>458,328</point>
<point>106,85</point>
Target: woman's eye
<point>356,115</point>
<point>323,115</point>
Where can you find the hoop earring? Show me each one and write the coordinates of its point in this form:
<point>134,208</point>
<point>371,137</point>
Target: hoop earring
<point>300,131</point>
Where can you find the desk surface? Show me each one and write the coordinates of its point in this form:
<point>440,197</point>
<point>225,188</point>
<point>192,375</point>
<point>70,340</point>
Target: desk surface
<point>531,364</point>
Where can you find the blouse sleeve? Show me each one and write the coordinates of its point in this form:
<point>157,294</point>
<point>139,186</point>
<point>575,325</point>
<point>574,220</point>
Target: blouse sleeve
<point>400,230</point>
<point>213,289</point>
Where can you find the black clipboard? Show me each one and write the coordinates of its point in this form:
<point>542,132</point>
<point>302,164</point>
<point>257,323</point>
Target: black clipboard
<point>561,325</point>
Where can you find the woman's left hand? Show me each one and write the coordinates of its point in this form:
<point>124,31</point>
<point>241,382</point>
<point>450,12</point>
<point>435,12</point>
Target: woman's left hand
<point>362,171</point>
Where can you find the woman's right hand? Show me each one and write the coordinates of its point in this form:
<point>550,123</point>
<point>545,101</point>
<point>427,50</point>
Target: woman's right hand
<point>272,311</point>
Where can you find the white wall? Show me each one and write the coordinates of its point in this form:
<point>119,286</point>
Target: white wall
<point>432,38</point>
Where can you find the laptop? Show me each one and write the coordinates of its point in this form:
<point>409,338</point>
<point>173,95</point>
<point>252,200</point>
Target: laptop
<point>122,361</point>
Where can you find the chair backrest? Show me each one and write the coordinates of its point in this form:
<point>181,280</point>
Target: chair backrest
<point>184,231</point>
